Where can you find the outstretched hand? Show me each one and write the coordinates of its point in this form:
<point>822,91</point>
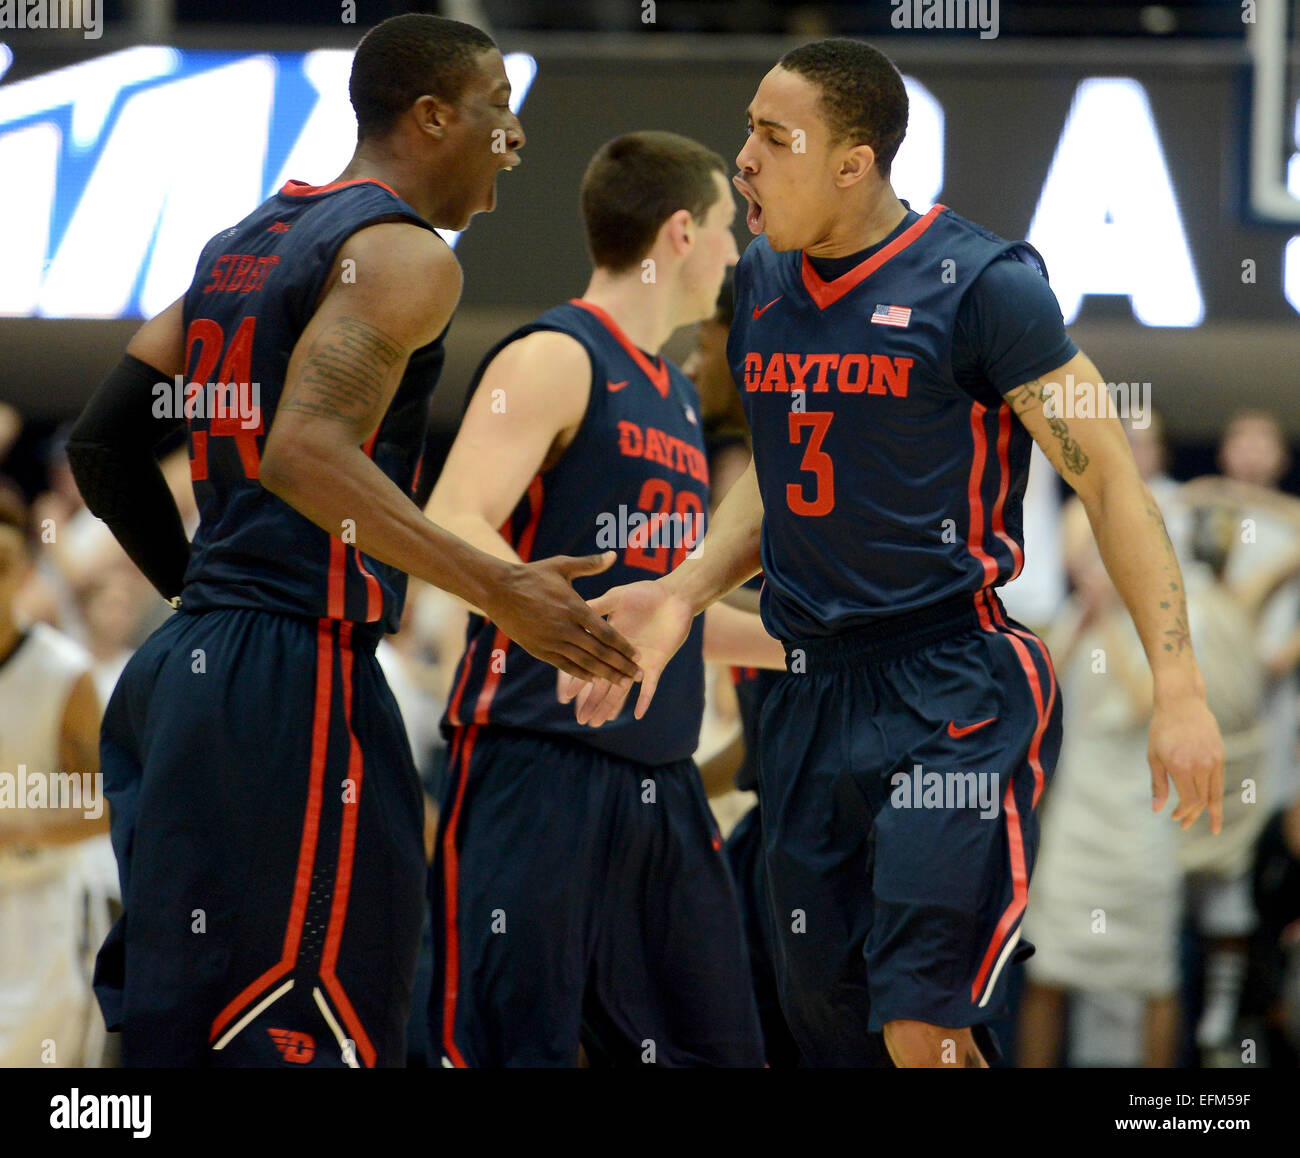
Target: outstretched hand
<point>537,608</point>
<point>656,622</point>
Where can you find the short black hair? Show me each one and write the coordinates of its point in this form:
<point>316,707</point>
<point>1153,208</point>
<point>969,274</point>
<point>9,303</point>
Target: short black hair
<point>635,183</point>
<point>407,57</point>
<point>862,94</point>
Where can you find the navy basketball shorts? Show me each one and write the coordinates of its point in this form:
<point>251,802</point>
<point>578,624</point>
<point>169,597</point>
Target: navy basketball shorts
<point>267,819</point>
<point>900,769</point>
<point>580,897</point>
<point>744,849</point>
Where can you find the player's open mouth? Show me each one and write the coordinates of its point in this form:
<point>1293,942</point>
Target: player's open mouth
<point>754,215</point>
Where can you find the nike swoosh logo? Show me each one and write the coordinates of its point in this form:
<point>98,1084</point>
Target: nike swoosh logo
<point>615,387</point>
<point>957,733</point>
<point>758,313</point>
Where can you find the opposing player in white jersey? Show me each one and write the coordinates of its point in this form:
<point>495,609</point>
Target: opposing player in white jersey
<point>49,724</point>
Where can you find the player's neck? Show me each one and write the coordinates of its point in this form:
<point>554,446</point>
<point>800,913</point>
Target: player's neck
<point>642,310</point>
<point>862,230</point>
<point>372,162</point>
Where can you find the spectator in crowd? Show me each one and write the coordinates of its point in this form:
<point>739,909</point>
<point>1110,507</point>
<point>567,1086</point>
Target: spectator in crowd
<point>1104,904</point>
<point>50,801</point>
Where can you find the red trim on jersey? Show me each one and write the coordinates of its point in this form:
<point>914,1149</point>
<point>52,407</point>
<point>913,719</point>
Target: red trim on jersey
<point>462,749</point>
<point>302,189</point>
<point>975,501</point>
<point>992,620</point>
<point>827,293</point>
<point>1016,636</point>
<point>307,843</point>
<point>1004,482</point>
<point>338,563</point>
<point>374,595</point>
<point>466,662</point>
<point>657,375</point>
<point>1019,894</point>
<point>343,869</point>
<point>463,745</point>
<point>523,549</point>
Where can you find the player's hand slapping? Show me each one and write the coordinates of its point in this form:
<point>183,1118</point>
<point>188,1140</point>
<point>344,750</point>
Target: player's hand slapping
<point>536,606</point>
<point>1185,747</point>
<point>657,622</point>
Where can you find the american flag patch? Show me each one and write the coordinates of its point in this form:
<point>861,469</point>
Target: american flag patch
<point>891,316</point>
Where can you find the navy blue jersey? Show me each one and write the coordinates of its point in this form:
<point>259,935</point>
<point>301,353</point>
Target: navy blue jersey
<point>254,291</point>
<point>886,484</point>
<point>635,478</point>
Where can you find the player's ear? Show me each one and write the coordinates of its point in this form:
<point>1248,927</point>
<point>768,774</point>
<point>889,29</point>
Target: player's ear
<point>856,163</point>
<point>680,231</point>
<point>433,115</point>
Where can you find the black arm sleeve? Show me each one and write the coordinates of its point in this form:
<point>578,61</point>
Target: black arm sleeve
<point>112,454</point>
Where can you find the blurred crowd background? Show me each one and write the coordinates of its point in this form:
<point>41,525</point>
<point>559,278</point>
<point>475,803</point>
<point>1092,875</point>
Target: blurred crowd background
<point>1155,946</point>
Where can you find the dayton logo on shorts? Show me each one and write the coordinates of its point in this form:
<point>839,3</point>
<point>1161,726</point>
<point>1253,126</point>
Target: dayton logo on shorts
<point>294,1046</point>
<point>848,373</point>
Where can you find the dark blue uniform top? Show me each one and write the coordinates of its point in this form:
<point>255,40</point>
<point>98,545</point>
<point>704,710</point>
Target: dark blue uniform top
<point>893,479</point>
<point>638,453</point>
<point>254,291</point>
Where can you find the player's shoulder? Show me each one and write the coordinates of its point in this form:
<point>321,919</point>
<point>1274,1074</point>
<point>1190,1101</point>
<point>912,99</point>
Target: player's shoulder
<point>553,346</point>
<point>546,347</point>
<point>1015,255</point>
<point>400,242</point>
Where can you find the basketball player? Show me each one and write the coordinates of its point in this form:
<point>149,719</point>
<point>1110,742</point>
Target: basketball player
<point>726,439</point>
<point>50,714</point>
<point>266,813</point>
<point>579,882</point>
<point>894,368</point>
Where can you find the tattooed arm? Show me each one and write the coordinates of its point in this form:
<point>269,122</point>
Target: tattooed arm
<point>342,375</point>
<point>1093,456</point>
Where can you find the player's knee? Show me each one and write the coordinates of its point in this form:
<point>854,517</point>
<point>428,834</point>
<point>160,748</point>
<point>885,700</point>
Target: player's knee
<point>920,1045</point>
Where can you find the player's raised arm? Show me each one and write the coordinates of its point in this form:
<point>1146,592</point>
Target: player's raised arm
<point>112,452</point>
<point>544,380</point>
<point>342,376</point>
<point>1093,456</point>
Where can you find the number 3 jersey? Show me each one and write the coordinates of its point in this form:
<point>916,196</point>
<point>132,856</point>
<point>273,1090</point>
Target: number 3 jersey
<point>254,291</point>
<point>634,479</point>
<point>886,485</point>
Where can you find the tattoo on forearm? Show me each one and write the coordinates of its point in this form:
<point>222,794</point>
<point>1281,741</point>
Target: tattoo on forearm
<point>1176,638</point>
<point>1033,396</point>
<point>346,370</point>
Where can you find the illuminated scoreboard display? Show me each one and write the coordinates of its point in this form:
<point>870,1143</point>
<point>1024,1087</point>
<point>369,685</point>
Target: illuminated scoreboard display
<point>122,167</point>
<point>1131,180</point>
